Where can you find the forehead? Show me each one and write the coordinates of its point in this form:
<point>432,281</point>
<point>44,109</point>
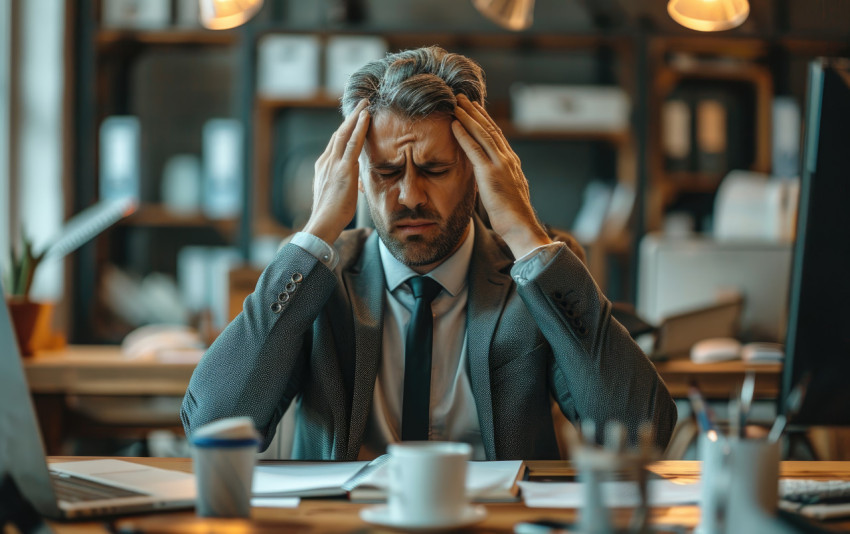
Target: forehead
<point>391,137</point>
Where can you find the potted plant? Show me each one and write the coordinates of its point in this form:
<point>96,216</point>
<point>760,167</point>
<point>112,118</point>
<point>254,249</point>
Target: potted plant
<point>33,320</point>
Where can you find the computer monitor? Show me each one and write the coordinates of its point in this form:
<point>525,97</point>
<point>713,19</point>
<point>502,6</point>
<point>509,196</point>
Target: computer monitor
<point>818,332</point>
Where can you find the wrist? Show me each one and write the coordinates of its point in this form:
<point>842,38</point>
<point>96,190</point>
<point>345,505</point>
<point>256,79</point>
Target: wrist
<point>322,231</point>
<point>521,240</point>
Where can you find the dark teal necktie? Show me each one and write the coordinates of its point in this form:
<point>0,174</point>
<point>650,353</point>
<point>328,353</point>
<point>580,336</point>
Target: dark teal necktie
<point>415,417</point>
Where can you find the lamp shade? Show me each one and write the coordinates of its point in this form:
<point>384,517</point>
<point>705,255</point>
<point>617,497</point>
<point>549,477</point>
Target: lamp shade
<point>226,14</point>
<point>709,15</point>
<point>511,14</point>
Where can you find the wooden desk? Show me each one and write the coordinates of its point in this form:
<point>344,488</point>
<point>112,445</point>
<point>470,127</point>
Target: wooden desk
<point>65,382</point>
<point>718,380</point>
<point>328,515</point>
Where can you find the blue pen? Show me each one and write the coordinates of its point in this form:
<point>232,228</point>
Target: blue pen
<point>698,405</point>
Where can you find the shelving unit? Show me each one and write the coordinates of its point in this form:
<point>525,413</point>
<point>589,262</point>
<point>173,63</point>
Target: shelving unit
<point>110,79</point>
<point>641,61</point>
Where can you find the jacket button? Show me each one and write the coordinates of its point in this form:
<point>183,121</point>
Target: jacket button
<point>276,307</point>
<point>297,278</point>
<point>290,287</point>
<point>571,313</point>
<point>582,330</point>
<point>283,297</point>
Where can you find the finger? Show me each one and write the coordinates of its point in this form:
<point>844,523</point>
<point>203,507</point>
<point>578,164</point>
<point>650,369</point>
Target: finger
<point>480,115</point>
<point>343,133</point>
<point>358,136</point>
<point>482,137</point>
<point>499,134</point>
<point>470,146</point>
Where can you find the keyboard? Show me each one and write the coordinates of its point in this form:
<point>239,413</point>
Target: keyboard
<point>74,489</point>
<point>806,491</point>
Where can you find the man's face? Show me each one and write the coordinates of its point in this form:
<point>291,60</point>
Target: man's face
<point>420,187</point>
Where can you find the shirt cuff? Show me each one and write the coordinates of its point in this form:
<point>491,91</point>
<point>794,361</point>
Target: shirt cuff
<point>317,247</point>
<point>533,263</point>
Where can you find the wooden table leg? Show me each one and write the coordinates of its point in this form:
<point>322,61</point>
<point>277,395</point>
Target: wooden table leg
<point>51,411</point>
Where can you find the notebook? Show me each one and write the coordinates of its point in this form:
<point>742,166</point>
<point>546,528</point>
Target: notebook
<point>84,488</point>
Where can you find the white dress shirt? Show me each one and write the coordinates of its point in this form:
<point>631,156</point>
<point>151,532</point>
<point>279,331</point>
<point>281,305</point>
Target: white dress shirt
<point>453,413</point>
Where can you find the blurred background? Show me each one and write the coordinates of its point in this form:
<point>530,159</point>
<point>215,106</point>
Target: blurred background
<point>186,154</point>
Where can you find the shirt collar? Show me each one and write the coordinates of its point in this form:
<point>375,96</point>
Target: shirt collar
<point>451,274</point>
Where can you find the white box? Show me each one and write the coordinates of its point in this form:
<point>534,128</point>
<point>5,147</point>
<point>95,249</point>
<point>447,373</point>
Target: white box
<point>136,14</point>
<point>569,108</point>
<point>346,54</point>
<point>222,162</point>
<point>288,66</point>
<point>119,158</point>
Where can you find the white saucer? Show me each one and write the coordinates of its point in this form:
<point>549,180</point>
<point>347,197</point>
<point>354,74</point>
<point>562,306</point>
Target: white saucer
<point>380,515</point>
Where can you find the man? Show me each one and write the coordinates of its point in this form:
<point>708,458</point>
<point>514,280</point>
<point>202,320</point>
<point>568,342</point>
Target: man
<point>347,333</point>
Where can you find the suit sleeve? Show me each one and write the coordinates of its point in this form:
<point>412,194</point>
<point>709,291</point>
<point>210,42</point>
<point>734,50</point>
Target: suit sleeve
<point>254,367</point>
<point>598,373</point>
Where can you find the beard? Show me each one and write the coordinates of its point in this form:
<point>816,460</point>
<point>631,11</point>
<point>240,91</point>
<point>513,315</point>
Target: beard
<point>419,250</point>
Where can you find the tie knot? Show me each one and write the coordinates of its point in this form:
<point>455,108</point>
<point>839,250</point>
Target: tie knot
<point>424,288</point>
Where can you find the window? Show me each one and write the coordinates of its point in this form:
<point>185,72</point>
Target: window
<point>5,108</point>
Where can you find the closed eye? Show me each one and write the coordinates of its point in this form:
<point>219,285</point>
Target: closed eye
<point>387,173</point>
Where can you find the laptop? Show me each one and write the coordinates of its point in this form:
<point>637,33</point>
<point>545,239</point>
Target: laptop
<point>66,490</point>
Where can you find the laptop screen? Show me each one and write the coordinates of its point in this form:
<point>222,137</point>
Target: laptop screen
<point>21,450</point>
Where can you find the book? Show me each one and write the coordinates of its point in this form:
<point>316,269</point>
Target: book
<point>494,481</point>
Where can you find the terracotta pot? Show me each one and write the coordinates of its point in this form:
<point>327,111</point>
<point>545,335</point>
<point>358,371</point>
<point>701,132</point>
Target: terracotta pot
<point>33,325</point>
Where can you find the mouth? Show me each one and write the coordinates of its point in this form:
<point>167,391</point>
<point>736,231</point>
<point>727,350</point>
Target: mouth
<point>415,226</point>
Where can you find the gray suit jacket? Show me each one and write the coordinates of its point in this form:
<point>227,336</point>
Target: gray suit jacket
<point>527,339</point>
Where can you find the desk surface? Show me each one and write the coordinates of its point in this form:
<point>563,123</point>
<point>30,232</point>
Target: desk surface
<point>330,515</point>
<point>101,370</point>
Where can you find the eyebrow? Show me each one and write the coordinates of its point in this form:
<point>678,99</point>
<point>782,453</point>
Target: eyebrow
<point>430,164</point>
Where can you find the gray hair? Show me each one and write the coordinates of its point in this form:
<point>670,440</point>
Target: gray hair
<point>415,83</point>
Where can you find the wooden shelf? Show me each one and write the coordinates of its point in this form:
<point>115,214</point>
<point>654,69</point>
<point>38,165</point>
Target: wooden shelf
<point>614,137</point>
<point>157,215</point>
<point>694,182</point>
<point>319,100</point>
<point>172,36</point>
<point>322,100</point>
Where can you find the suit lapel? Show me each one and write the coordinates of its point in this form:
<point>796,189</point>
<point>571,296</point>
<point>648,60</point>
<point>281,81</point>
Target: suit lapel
<point>488,288</point>
<point>366,291</point>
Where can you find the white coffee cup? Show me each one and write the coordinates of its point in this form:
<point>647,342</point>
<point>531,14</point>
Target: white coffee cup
<point>223,455</point>
<point>427,481</point>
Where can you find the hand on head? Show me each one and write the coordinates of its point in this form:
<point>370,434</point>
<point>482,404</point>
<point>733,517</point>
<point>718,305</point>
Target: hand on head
<point>501,183</point>
<point>337,173</point>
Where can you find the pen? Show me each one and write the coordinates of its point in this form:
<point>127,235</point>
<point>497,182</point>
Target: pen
<point>700,411</point>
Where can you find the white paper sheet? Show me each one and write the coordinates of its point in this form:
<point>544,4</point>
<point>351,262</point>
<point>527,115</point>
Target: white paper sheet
<point>615,494</point>
<point>275,502</point>
<point>293,478</point>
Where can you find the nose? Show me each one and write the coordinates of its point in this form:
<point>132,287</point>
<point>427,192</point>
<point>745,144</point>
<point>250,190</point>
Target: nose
<point>411,192</point>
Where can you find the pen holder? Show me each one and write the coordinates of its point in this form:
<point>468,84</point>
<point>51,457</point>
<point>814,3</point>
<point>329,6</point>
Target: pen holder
<point>740,479</point>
